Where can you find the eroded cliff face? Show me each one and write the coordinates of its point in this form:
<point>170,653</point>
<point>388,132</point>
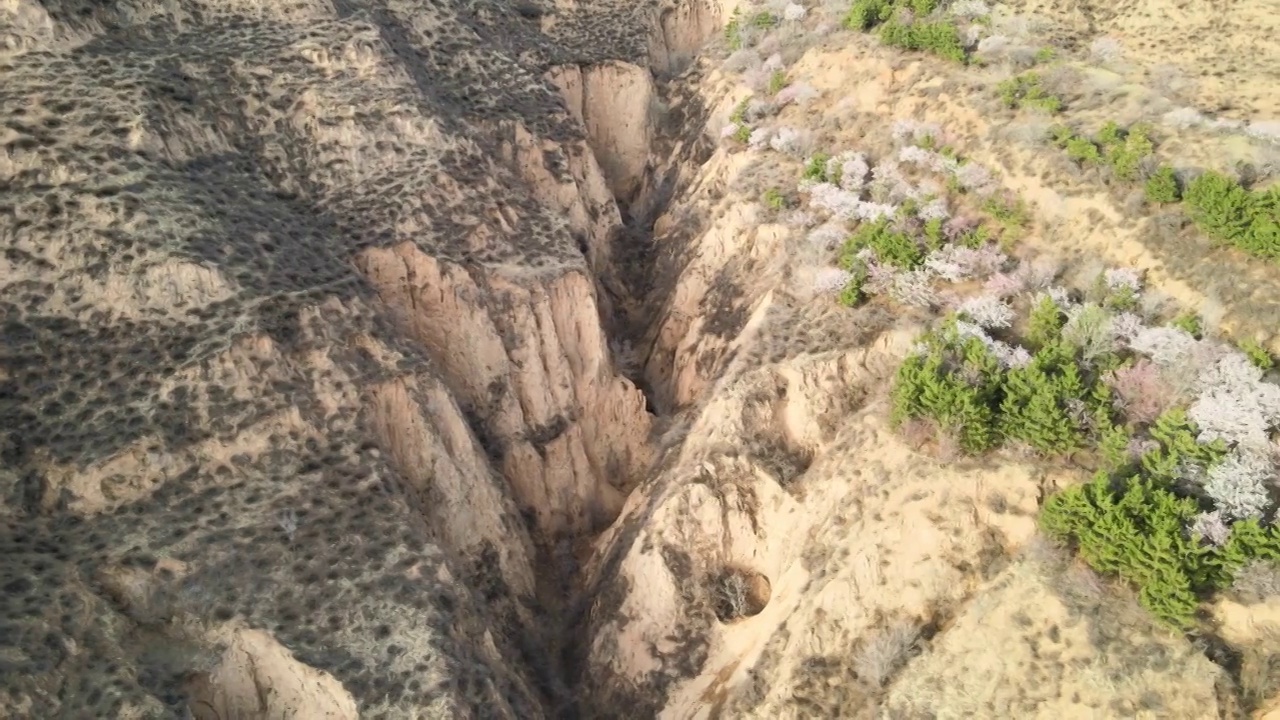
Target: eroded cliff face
<point>308,387</point>
<point>528,358</point>
<point>614,103</point>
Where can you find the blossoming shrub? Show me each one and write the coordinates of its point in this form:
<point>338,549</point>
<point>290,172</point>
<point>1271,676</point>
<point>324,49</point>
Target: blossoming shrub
<point>919,216</point>
<point>1179,426</point>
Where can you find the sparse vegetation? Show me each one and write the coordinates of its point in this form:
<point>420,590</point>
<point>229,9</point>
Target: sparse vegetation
<point>739,127</point>
<point>884,651</point>
<point>910,25</point>
<point>1189,323</point>
<point>1027,90</point>
<point>1221,207</point>
<point>737,593</point>
<point>1011,213</point>
<point>1257,354</point>
<point>1124,151</point>
<point>1162,187</point>
<point>774,199</point>
<point>735,31</point>
<point>777,81</point>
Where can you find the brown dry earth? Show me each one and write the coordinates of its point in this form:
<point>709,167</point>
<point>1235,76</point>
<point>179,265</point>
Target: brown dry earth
<point>430,360</point>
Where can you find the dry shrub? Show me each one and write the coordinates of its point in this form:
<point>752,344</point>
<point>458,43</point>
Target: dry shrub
<point>917,432</point>
<point>827,687</point>
<point>885,652</point>
<point>1257,581</point>
<point>1142,390</point>
<point>1259,675</point>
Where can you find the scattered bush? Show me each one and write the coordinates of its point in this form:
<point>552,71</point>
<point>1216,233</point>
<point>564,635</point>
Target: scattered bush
<point>1122,150</point>
<point>939,37</point>
<point>739,127</point>
<point>866,14</point>
<point>1027,90</point>
<point>1229,213</point>
<point>1136,527</point>
<point>774,199</point>
<point>777,81</point>
<point>1189,323</point>
<point>1257,354</point>
<point>815,168</point>
<point>851,294</point>
<point>1082,150</point>
<point>902,24</point>
<point>736,31</point>
<point>1162,187</point>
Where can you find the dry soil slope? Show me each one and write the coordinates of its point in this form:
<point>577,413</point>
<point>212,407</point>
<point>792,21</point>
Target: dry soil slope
<point>871,580</point>
<point>302,363</point>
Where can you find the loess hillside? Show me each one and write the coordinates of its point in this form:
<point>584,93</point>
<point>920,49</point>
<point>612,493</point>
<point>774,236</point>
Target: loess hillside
<point>545,358</point>
<point>302,348</point>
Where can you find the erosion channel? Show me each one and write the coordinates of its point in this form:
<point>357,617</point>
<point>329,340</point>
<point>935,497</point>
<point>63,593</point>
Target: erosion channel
<point>324,326</point>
